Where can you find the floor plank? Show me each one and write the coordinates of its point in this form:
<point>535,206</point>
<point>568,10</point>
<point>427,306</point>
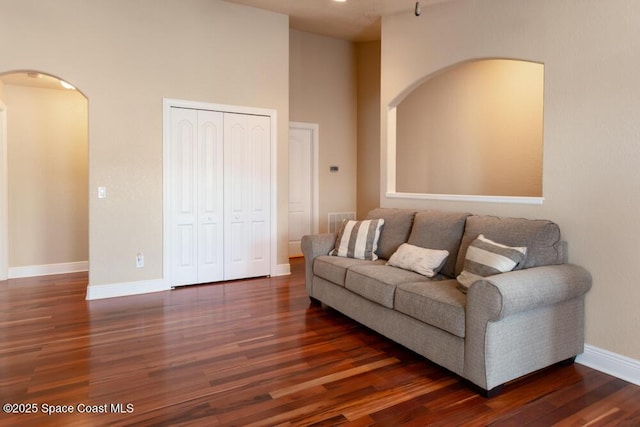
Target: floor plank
<point>252,353</point>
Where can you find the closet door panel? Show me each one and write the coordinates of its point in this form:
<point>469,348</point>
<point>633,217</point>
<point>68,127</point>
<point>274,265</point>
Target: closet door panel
<point>236,178</point>
<point>183,213</point>
<point>210,197</point>
<point>260,194</point>
<point>247,195</point>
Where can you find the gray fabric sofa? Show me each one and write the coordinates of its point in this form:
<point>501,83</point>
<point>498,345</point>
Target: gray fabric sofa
<point>505,326</point>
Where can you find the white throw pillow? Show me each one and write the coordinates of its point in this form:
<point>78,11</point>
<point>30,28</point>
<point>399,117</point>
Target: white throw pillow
<point>485,258</point>
<point>421,260</point>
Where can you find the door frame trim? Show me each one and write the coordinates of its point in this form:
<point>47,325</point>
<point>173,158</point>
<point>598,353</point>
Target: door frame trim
<point>314,128</point>
<point>4,196</point>
<point>169,103</point>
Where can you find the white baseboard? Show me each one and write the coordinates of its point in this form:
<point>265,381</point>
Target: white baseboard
<point>282,270</point>
<point>610,363</point>
<point>113,290</point>
<point>125,289</point>
<point>47,269</point>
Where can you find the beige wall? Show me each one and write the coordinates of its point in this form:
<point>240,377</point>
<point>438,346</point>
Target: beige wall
<point>323,90</point>
<point>47,166</point>
<point>126,57</point>
<point>487,115</point>
<point>368,194</point>
<point>591,176</point>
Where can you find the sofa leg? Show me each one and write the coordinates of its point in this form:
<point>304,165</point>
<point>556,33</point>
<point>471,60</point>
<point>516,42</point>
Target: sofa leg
<point>567,362</point>
<point>493,392</point>
<point>488,394</point>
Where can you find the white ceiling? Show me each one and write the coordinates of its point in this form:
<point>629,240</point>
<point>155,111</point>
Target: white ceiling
<point>355,20</point>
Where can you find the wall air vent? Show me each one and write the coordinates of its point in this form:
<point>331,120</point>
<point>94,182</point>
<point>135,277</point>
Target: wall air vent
<point>336,219</point>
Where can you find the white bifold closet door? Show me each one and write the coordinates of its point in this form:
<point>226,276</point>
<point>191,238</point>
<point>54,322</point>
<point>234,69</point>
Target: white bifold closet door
<point>247,195</point>
<point>220,196</point>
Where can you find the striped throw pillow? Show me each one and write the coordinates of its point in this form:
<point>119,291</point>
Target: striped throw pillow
<point>358,239</point>
<point>486,258</point>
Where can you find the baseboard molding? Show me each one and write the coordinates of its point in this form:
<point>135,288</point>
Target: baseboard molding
<point>610,363</point>
<point>125,289</point>
<point>47,269</point>
<point>282,270</point>
<point>114,290</point>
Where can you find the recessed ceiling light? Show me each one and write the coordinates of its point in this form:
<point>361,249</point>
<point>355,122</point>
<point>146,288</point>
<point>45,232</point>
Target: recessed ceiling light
<point>340,1</point>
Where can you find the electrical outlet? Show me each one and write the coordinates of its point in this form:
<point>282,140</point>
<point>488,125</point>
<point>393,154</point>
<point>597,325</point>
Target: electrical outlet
<point>140,260</point>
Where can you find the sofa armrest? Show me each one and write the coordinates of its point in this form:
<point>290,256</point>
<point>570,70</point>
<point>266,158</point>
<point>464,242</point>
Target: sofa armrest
<point>314,245</point>
<point>502,295</point>
<point>522,321</point>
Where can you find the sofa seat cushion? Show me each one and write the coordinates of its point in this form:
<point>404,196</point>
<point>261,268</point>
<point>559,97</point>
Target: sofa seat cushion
<point>378,283</point>
<point>334,269</point>
<point>437,303</point>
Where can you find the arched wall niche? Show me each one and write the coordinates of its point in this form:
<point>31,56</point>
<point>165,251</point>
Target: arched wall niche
<point>37,79</point>
<point>472,131</point>
<point>44,166</point>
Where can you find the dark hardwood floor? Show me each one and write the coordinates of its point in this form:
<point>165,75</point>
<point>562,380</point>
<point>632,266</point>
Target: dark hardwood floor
<point>251,353</point>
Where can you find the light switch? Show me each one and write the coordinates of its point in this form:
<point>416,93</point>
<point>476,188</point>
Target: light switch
<point>102,192</point>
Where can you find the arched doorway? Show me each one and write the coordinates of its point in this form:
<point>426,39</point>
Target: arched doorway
<point>44,172</point>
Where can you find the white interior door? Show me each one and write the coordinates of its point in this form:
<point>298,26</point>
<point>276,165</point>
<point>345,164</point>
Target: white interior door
<point>196,196</point>
<point>300,186</point>
<point>247,177</point>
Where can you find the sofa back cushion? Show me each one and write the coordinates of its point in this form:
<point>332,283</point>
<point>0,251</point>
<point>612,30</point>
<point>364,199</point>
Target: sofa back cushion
<point>395,231</point>
<point>540,237</point>
<point>439,230</point>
